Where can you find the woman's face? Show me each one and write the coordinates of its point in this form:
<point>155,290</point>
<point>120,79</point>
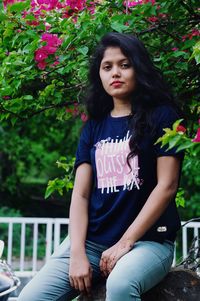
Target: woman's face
<point>117,75</point>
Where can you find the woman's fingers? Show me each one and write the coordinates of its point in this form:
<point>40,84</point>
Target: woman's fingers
<point>71,281</point>
<point>80,274</point>
<point>82,283</point>
<point>87,284</point>
<point>103,266</point>
<point>107,264</point>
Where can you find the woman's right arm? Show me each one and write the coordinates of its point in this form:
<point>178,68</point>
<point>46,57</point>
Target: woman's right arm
<point>80,272</point>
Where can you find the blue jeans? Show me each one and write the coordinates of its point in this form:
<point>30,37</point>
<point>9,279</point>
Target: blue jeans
<point>135,273</point>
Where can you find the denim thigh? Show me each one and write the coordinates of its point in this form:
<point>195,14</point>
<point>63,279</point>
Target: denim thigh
<point>51,283</point>
<point>139,270</point>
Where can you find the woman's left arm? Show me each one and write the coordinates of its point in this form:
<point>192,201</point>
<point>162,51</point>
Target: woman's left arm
<point>167,182</point>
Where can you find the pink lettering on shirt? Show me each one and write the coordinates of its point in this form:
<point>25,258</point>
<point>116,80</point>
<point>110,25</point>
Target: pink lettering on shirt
<point>112,167</point>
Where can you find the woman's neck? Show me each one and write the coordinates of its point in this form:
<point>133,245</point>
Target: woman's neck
<point>121,109</point>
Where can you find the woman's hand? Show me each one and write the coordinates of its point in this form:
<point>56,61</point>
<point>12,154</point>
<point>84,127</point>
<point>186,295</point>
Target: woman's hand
<point>80,273</point>
<point>112,255</point>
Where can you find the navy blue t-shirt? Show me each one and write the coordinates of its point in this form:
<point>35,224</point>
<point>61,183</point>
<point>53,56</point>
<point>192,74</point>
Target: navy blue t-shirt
<point>119,192</point>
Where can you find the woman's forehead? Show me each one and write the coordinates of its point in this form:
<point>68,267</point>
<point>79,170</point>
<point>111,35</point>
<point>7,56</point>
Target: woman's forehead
<point>113,53</point>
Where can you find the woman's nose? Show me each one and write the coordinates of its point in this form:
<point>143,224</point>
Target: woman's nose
<point>116,71</point>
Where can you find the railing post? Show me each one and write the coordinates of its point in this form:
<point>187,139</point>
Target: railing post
<point>22,246</point>
<point>56,234</point>
<point>10,236</point>
<point>35,241</point>
<point>184,241</point>
<point>49,239</point>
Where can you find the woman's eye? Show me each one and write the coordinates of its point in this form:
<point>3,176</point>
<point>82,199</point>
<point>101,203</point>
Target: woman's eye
<point>125,65</point>
<point>107,67</point>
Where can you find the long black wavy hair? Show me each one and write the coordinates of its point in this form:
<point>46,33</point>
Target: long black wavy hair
<point>151,89</point>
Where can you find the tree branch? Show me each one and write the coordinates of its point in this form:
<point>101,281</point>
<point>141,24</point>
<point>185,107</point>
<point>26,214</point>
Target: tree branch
<point>3,110</point>
<point>53,106</point>
<point>189,9</point>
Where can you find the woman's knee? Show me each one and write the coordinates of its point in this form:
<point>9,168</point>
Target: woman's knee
<point>118,288</point>
<point>27,294</point>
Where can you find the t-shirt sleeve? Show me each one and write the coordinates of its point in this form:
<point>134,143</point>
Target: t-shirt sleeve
<point>84,146</point>
<point>164,117</point>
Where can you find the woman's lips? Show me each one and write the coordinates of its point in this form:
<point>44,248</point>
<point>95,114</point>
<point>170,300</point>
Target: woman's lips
<point>116,84</point>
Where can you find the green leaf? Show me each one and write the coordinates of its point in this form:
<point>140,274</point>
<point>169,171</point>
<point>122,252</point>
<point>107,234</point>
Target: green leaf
<point>176,123</point>
<point>28,97</point>
<point>14,120</point>
<point>83,50</point>
<point>19,6</point>
<point>49,191</point>
<point>3,17</point>
<point>196,52</point>
<point>174,140</point>
<point>185,145</point>
<point>118,27</point>
<point>180,200</point>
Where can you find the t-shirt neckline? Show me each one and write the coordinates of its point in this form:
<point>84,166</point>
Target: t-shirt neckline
<point>118,118</point>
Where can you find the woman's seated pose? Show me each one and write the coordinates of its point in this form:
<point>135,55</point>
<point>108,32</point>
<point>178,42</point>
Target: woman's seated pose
<point>123,217</point>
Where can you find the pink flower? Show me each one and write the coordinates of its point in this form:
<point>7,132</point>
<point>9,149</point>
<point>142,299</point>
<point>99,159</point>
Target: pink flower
<point>91,7</point>
<point>49,49</point>
<point>84,117</point>
<point>174,49</point>
<point>51,39</point>
<point>68,110</point>
<point>42,65</point>
<point>75,112</point>
<point>153,19</point>
<point>76,4</point>
<point>40,54</point>
<point>55,63</point>
<point>47,26</point>
<point>197,137</point>
<point>138,2</point>
<point>184,38</point>
<point>33,23</point>
<point>162,15</point>
<point>10,2</point>
<point>37,6</point>
<point>133,3</point>
<point>195,33</point>
<point>180,129</point>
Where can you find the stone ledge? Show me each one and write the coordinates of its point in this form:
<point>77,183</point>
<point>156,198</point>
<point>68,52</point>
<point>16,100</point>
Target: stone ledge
<point>178,285</point>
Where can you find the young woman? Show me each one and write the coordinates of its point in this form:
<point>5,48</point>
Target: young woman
<point>123,217</point>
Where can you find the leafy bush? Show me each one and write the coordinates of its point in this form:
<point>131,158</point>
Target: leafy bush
<point>45,48</point>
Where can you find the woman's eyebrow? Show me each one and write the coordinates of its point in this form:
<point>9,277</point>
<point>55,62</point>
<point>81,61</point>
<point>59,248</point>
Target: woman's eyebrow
<point>109,62</point>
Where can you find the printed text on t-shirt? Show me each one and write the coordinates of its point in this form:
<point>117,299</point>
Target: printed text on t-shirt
<point>112,167</point>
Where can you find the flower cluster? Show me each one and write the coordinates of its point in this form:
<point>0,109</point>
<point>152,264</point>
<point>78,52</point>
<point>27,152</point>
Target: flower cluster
<point>76,4</point>
<point>45,5</point>
<point>52,43</point>
<point>37,6</point>
<point>180,129</point>
<point>138,2</point>
<point>75,110</point>
<point>197,137</point>
<point>10,2</point>
<point>158,18</point>
<point>195,33</point>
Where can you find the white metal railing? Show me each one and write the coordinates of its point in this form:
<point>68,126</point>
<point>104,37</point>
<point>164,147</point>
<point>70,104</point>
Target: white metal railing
<point>195,228</point>
<point>53,238</point>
